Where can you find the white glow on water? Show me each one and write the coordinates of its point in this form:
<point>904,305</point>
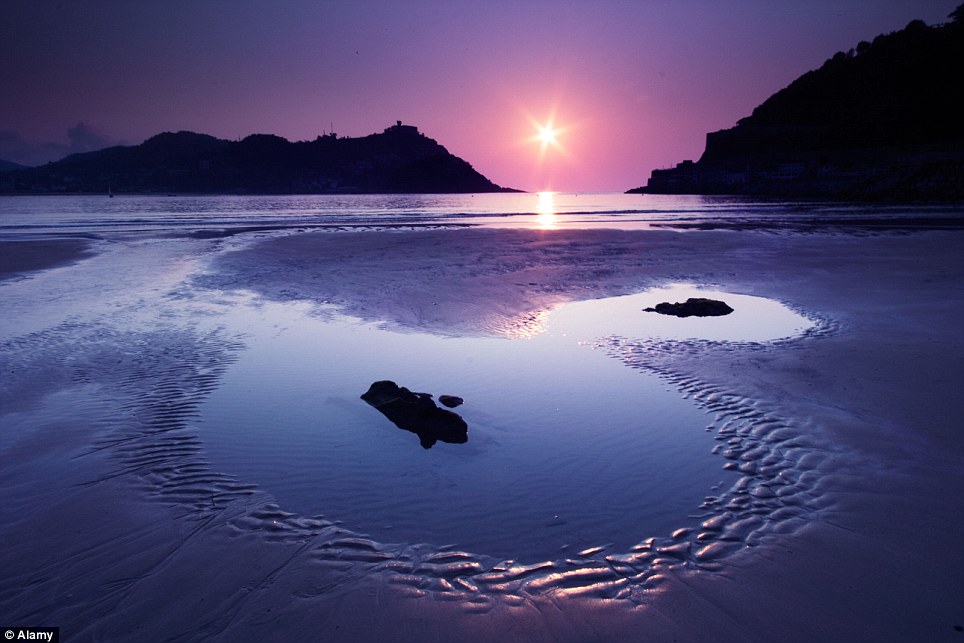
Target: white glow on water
<point>547,211</point>
<point>754,319</point>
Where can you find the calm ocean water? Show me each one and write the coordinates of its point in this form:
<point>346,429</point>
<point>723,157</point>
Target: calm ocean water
<point>130,213</point>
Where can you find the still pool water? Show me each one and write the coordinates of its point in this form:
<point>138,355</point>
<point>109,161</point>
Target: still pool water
<point>567,447</point>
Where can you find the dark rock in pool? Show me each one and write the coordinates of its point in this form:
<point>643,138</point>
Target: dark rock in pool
<point>450,401</point>
<point>692,307</point>
<point>417,412</point>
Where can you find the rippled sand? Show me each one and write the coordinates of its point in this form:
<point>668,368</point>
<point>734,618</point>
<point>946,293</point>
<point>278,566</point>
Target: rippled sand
<point>846,445</point>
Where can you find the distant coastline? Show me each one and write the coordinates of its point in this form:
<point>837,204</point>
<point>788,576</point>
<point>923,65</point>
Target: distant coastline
<point>877,123</point>
<point>398,160</point>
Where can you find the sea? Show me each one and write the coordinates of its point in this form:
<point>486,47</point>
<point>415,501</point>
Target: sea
<point>60,214</point>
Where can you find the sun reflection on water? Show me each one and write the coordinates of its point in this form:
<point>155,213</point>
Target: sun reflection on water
<point>524,326</point>
<point>546,211</point>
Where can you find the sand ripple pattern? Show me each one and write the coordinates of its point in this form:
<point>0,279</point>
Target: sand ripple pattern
<point>149,385</point>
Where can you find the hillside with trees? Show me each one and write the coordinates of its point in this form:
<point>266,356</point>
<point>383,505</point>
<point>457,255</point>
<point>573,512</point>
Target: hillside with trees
<point>883,121</point>
<point>398,160</point>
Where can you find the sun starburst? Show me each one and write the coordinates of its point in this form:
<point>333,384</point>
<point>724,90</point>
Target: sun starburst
<point>548,135</point>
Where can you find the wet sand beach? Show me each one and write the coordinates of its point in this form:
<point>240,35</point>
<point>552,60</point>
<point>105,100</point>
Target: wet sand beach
<point>17,257</point>
<point>846,442</point>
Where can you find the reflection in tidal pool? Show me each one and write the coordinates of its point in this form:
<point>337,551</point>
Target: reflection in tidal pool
<point>567,448</point>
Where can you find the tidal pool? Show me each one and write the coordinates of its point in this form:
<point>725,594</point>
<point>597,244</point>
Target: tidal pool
<point>567,447</point>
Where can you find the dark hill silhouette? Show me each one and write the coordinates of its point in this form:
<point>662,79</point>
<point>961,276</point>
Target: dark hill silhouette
<point>882,121</point>
<point>10,165</point>
<point>399,160</point>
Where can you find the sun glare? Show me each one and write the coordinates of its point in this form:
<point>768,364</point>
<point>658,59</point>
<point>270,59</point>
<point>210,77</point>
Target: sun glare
<point>547,134</point>
<point>548,137</point>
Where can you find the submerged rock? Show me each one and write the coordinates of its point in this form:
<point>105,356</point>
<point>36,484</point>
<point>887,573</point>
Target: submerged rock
<point>417,412</point>
<point>692,307</point>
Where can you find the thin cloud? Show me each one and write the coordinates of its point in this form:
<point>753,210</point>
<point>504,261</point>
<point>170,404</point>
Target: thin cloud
<point>82,137</point>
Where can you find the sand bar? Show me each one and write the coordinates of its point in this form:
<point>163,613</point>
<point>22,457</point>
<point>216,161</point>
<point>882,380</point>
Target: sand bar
<point>161,546</point>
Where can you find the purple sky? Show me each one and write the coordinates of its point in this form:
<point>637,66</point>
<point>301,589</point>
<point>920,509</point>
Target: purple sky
<point>632,85</point>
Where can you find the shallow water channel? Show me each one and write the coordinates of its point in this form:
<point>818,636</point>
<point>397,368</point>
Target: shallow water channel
<point>567,447</point>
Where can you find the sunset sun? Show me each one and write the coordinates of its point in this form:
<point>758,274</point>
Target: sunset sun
<point>547,134</point>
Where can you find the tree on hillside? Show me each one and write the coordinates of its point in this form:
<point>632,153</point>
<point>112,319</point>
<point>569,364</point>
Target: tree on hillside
<point>958,14</point>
